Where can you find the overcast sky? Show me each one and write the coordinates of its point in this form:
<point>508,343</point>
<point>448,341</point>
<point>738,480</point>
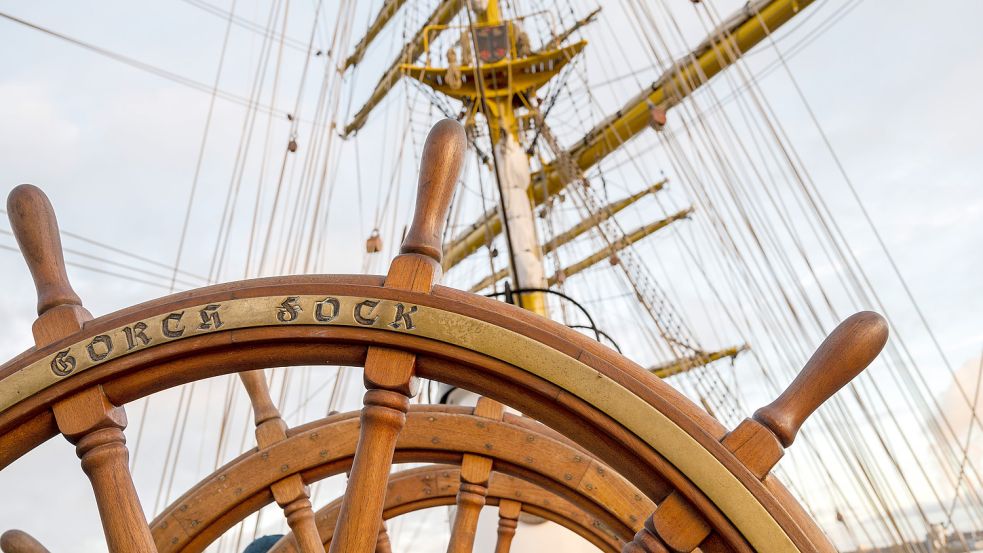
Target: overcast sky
<point>895,84</point>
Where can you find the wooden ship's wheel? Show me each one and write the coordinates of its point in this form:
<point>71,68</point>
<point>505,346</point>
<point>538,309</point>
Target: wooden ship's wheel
<point>616,448</point>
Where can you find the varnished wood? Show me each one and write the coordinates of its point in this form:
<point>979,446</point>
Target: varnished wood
<point>759,442</point>
<point>440,168</point>
<point>154,369</point>
<point>755,445</point>
<point>714,544</point>
<point>389,374</point>
<point>382,418</point>
<point>844,354</point>
<point>678,524</point>
<point>290,493</point>
<point>647,540</point>
<point>490,409</point>
<point>58,322</point>
<point>432,486</point>
<point>389,383</point>
<point>392,361</point>
<point>475,472</point>
<point>325,448</point>
<point>136,375</point>
<point>32,219</point>
<point>18,541</point>
<point>508,521</point>
<point>293,497</point>
<point>413,272</point>
<point>265,412</point>
<point>382,544</point>
<point>390,370</point>
<point>95,426</point>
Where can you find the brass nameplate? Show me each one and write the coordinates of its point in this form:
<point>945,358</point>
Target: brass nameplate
<point>204,319</point>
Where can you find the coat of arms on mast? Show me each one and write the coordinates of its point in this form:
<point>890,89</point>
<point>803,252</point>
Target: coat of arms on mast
<point>493,42</point>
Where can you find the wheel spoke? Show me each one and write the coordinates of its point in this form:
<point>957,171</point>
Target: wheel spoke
<point>88,419</point>
<point>475,473</point>
<point>383,416</point>
<point>382,544</point>
<point>291,494</point>
<point>389,379</point>
<point>95,426</point>
<point>508,520</point>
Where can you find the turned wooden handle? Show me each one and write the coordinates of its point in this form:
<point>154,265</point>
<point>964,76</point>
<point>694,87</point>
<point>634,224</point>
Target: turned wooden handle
<point>18,541</point>
<point>843,355</point>
<point>443,159</point>
<point>33,221</point>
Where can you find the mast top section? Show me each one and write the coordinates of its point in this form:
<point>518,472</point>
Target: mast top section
<point>738,34</point>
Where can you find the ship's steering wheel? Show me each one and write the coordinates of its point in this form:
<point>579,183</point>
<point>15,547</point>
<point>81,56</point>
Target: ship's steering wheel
<point>711,486</point>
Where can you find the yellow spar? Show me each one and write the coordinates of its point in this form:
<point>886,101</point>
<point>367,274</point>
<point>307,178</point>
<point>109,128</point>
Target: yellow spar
<point>741,32</point>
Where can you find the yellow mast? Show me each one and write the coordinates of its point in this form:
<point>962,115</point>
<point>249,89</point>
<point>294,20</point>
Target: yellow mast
<point>503,77</point>
<point>444,12</point>
<point>680,366</point>
<point>611,253</point>
<point>738,34</point>
<point>388,11</point>
<point>575,231</point>
<point>527,267</point>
